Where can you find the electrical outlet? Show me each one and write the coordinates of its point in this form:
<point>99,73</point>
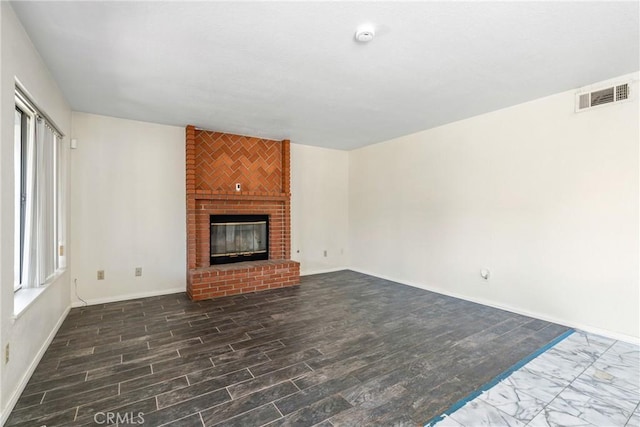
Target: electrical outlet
<point>6,354</point>
<point>100,274</point>
<point>325,253</point>
<point>138,271</point>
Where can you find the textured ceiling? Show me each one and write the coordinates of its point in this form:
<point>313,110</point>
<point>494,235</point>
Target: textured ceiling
<point>293,69</point>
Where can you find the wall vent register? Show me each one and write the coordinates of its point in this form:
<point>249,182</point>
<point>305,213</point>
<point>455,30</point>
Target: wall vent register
<point>608,95</point>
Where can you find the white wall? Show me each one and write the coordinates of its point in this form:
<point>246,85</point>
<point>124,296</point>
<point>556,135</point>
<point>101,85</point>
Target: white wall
<point>319,208</point>
<point>3,260</point>
<point>127,209</point>
<point>29,334</point>
<point>545,198</point>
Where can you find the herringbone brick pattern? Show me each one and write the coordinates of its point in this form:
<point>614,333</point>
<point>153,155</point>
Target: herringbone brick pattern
<point>222,160</point>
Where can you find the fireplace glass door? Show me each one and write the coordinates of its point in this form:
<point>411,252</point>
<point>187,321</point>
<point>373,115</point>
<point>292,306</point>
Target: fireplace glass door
<point>236,238</point>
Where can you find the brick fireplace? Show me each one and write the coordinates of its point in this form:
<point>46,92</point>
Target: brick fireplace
<point>217,163</point>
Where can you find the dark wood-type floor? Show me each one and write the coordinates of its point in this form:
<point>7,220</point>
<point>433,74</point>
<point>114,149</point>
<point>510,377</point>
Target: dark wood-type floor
<point>340,349</point>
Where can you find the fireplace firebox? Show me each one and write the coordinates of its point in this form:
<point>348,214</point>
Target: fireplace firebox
<point>237,238</point>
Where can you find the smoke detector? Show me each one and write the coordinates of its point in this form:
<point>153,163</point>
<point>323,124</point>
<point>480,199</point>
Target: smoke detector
<point>365,33</point>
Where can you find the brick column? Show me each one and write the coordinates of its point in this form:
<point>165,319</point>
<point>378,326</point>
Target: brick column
<point>191,195</point>
<point>286,189</point>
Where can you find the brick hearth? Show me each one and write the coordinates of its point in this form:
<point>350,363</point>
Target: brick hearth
<point>216,162</point>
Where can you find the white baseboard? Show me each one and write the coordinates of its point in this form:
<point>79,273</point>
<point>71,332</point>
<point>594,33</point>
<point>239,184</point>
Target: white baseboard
<point>322,270</point>
<point>566,322</point>
<point>6,411</point>
<point>127,297</point>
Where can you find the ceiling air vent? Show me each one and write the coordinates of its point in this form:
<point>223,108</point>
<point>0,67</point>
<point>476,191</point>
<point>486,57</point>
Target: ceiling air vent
<point>587,100</point>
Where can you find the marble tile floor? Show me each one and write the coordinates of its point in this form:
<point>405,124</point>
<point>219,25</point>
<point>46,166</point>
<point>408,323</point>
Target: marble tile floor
<point>340,349</point>
<point>584,380</point>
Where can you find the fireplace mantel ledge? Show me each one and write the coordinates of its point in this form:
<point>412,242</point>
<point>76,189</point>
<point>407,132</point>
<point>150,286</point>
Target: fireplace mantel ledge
<point>245,266</point>
<point>241,195</point>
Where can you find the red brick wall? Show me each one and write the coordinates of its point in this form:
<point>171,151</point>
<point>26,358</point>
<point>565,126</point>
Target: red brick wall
<point>222,160</point>
<point>215,163</point>
<point>218,281</point>
<point>278,236</point>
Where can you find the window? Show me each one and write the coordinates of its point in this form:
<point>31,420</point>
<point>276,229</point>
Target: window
<point>38,210</point>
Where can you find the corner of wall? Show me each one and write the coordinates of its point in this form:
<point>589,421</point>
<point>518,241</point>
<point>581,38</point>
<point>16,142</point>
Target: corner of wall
<point>319,206</point>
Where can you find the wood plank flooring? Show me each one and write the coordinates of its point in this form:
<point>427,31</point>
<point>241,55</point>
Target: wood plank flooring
<point>340,349</point>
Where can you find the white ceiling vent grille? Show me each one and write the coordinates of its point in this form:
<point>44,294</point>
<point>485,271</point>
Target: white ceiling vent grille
<point>608,95</point>
<point>622,92</point>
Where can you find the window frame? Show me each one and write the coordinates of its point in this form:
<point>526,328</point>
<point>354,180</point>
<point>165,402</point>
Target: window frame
<point>26,169</point>
<point>22,143</point>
